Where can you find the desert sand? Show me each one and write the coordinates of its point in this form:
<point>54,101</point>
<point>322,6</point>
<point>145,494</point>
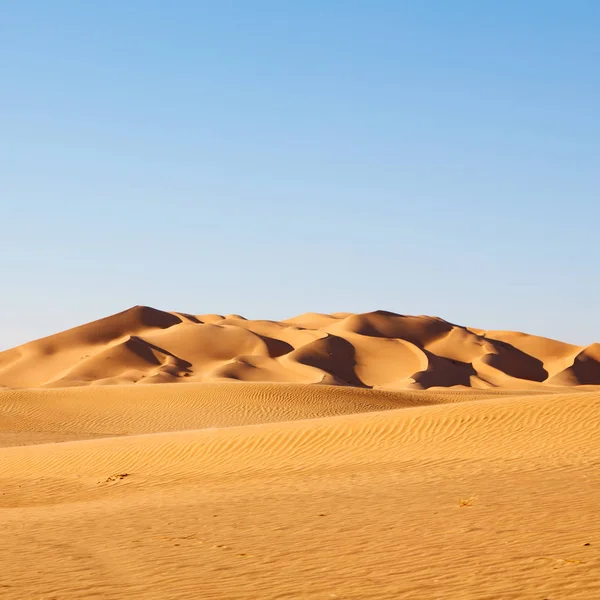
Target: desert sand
<point>155,455</point>
<point>380,350</point>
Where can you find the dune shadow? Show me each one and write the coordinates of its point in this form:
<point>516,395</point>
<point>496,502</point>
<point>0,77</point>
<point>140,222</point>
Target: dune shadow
<point>145,349</point>
<point>333,355</point>
<point>515,363</point>
<point>444,372</point>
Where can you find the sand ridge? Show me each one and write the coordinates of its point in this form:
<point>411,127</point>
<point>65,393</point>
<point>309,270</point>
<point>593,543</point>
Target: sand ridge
<point>500,428</point>
<point>46,415</point>
<point>380,349</point>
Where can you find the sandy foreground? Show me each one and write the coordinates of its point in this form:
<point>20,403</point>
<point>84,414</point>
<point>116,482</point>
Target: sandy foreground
<point>457,496</point>
<point>213,485</point>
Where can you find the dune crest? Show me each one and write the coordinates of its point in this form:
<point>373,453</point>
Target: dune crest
<point>380,349</point>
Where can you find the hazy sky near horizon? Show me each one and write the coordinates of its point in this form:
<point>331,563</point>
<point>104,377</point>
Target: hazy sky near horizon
<point>272,158</point>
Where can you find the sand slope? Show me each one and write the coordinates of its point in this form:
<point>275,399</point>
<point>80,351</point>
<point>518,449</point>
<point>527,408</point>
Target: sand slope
<point>41,415</point>
<point>491,498</point>
<point>62,414</point>
<point>379,350</point>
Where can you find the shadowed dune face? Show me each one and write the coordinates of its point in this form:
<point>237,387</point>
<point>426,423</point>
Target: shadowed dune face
<point>379,349</point>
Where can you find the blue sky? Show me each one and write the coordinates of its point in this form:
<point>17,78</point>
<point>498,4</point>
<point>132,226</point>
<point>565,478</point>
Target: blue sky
<point>270,158</point>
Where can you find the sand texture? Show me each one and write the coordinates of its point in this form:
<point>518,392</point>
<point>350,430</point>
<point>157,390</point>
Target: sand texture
<point>432,462</point>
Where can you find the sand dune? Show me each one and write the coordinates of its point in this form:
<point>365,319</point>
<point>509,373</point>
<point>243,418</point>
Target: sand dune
<point>431,461</point>
<point>378,350</point>
<point>83,412</point>
<point>399,435</point>
<point>61,414</point>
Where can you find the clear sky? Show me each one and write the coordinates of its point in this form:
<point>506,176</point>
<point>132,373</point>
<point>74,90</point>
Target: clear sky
<point>271,158</point>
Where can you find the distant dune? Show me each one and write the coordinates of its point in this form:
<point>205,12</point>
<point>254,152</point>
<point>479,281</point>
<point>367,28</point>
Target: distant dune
<point>373,350</point>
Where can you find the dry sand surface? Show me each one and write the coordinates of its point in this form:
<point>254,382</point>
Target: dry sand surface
<point>433,462</point>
